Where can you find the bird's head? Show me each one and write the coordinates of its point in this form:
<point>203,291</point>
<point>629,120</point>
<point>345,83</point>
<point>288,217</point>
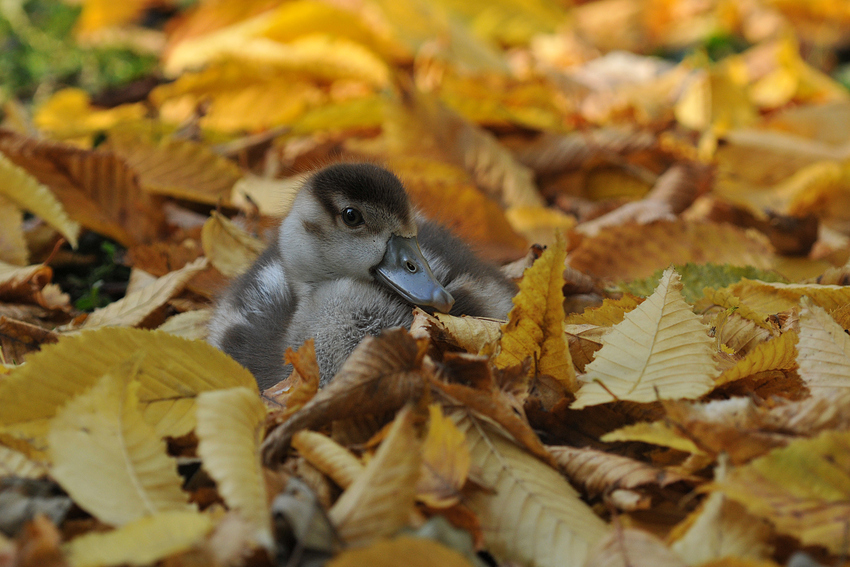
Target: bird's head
<point>356,221</point>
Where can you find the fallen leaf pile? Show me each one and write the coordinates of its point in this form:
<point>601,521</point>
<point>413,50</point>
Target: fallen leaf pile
<point>671,387</point>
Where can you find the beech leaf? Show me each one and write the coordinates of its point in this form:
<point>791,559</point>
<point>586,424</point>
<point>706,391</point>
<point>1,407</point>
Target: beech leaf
<point>170,378</point>
<point>230,429</point>
<point>132,309</point>
<point>535,327</point>
<point>529,513</point>
<point>134,476</point>
<point>824,352</point>
<point>659,351</point>
<point>230,249</point>
<point>25,191</point>
<point>379,501</point>
<point>802,489</point>
<point>141,542</point>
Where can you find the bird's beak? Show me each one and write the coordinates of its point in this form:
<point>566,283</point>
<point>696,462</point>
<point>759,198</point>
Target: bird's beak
<point>405,270</point>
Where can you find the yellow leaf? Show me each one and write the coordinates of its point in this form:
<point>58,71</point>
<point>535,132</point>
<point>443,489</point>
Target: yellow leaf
<point>98,14</point>
<point>470,333</point>
<point>414,551</point>
<point>25,191</point>
<point>715,99</point>
<point>509,22</point>
<point>188,325</point>
<point>241,96</point>
<point>535,327</point>
<point>175,371</point>
<point>824,352</point>
<point>142,542</point>
<point>530,513</point>
<point>230,429</point>
<point>538,224</point>
<point>726,299</point>
<point>611,312</point>
<point>13,245</point>
<point>721,528</point>
<point>68,113</point>
<point>380,500</point>
<point>777,297</point>
<point>230,249</point>
<point>178,168</point>
<point>659,351</point>
<point>272,197</point>
<point>306,17</point>
<point>414,22</point>
<point>134,476</point>
<point>132,309</point>
<point>445,462</point>
<point>657,433</point>
<point>776,354</point>
<point>802,489</point>
<point>322,56</point>
<point>496,98</point>
<point>328,456</point>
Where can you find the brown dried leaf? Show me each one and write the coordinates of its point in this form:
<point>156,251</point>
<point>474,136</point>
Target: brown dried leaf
<point>17,339</point>
<point>600,472</point>
<point>97,188</point>
<point>473,334</point>
<point>178,168</point>
<point>380,375</point>
<point>446,193</point>
<point>637,251</point>
<point>301,385</point>
<point>735,427</point>
<point>554,153</point>
<point>496,407</point>
<point>23,284</point>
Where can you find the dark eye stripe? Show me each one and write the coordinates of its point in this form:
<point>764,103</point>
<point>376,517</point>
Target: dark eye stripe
<point>352,217</point>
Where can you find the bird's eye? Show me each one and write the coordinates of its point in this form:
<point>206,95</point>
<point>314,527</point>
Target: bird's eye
<point>352,217</point>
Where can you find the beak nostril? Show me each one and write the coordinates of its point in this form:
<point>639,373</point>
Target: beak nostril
<point>411,267</point>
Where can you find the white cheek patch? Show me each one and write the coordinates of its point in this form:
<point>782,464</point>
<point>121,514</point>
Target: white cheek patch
<point>271,286</point>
